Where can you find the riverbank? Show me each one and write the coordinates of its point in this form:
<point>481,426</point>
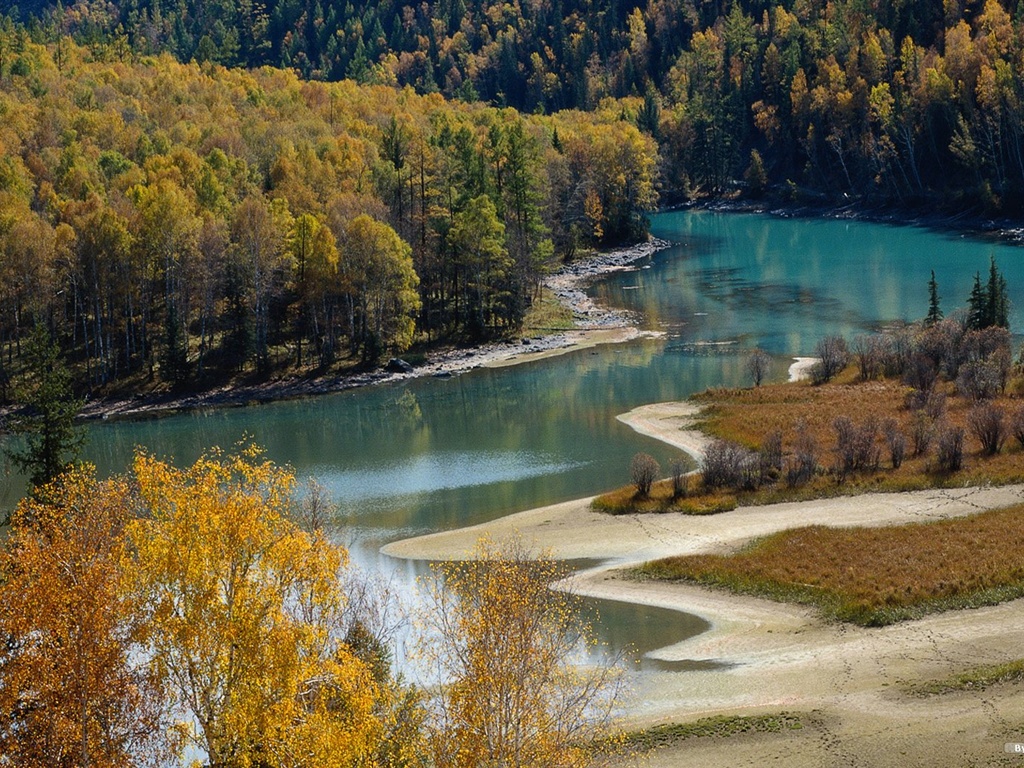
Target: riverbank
<point>848,682</point>
<point>594,324</point>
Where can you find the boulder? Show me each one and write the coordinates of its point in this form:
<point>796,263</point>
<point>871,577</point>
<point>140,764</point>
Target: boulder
<point>397,365</point>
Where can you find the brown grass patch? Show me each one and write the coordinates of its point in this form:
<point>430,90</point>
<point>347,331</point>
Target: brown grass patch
<point>873,576</point>
<point>746,416</point>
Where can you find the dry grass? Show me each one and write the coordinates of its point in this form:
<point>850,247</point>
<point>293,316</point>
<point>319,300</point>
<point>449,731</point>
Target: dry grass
<point>873,576</point>
<point>745,416</point>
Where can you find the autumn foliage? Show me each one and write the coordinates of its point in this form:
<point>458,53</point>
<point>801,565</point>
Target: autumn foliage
<point>71,690</point>
<point>184,611</point>
<point>502,643</point>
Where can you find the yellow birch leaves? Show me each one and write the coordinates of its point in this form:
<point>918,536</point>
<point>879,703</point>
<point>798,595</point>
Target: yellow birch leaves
<point>243,606</point>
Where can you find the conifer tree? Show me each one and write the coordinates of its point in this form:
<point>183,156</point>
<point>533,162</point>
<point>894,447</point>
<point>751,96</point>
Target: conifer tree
<point>52,441</point>
<point>934,310</point>
<point>977,305</point>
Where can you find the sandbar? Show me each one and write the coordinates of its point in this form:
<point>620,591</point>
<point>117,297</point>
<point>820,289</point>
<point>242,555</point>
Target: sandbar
<point>847,682</point>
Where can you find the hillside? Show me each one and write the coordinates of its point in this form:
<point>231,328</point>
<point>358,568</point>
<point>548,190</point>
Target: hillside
<point>182,223</point>
<point>906,102</point>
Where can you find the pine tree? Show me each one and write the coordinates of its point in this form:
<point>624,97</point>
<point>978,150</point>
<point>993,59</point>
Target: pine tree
<point>52,441</point>
<point>977,305</point>
<point>934,311</point>
<point>996,302</point>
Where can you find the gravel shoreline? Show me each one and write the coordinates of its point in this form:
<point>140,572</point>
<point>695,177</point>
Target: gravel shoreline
<point>595,324</point>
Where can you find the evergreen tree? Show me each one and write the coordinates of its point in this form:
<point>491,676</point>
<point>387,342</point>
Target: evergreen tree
<point>51,439</point>
<point>934,311</point>
<point>976,305</point>
<point>996,302</point>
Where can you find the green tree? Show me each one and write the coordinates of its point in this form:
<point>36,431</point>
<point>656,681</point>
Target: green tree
<point>52,441</point>
<point>477,239</point>
<point>997,304</point>
<point>977,305</point>
<point>934,310</point>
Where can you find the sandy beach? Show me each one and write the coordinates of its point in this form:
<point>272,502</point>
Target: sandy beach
<point>847,683</point>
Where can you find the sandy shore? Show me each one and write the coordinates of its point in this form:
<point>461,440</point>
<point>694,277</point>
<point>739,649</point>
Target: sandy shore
<point>846,681</point>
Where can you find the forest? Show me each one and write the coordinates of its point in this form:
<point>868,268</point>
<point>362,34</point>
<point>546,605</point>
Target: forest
<point>909,101</point>
<point>194,190</point>
<point>181,223</point>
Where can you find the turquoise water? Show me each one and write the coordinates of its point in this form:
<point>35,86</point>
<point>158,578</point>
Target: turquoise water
<point>433,454</point>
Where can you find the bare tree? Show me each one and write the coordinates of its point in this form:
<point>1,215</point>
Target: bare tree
<point>315,507</point>
<point>856,447</point>
<point>896,442</point>
<point>869,353</point>
<point>987,424</point>
<point>759,365</point>
<point>770,456</point>
<point>1017,425</point>
<point>979,380</point>
<point>679,479</point>
<point>644,470</point>
<point>832,355</point>
<point>922,430</point>
<point>804,463</point>
<point>725,465</point>
<point>949,449</point>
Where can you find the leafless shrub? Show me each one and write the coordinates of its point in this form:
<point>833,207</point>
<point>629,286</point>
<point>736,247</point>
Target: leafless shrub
<point>832,356</point>
<point>895,440</point>
<point>986,422</point>
<point>726,465</point>
<point>804,462</point>
<point>896,351</point>
<point>1002,361</point>
<point>680,480</point>
<point>941,344</point>
<point>770,456</point>
<point>868,350</point>
<point>949,449</point>
<point>922,431</point>
<point>643,471</point>
<point>1017,425</point>
<point>978,380</point>
<point>920,373</point>
<point>935,405</point>
<point>315,508</point>
<point>759,365</point>
<point>856,447</point>
<point>984,343</point>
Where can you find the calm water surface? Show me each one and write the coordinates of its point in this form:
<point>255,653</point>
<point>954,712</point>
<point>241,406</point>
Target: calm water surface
<point>433,454</point>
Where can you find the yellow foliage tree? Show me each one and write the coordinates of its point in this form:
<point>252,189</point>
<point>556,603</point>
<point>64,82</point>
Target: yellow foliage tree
<point>73,692</point>
<point>246,609</point>
<point>502,643</point>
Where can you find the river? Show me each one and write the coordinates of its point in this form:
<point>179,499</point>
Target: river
<point>431,454</point>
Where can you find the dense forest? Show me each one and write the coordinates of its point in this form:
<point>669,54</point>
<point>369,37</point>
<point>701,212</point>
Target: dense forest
<point>181,222</point>
<point>903,100</point>
<point>192,189</point>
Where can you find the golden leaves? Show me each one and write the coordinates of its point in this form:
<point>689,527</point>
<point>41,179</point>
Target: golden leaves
<point>502,647</point>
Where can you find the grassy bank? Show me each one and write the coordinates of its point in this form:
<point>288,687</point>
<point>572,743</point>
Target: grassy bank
<point>799,411</point>
<point>721,726</point>
<point>872,576</point>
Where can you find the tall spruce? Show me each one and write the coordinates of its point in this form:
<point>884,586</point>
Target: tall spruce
<point>51,439</point>
<point>989,305</point>
<point>934,310</point>
<point>997,304</point>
